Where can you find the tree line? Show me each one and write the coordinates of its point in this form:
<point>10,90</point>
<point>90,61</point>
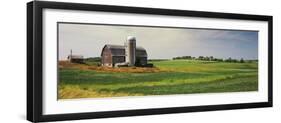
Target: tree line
<point>211,58</point>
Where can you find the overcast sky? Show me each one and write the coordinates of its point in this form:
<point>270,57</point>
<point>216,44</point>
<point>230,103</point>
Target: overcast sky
<point>160,43</point>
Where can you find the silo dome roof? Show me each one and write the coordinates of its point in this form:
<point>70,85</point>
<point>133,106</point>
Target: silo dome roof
<point>130,38</point>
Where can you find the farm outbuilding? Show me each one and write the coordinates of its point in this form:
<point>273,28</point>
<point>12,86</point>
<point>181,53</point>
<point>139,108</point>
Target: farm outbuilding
<point>124,55</point>
<point>75,58</point>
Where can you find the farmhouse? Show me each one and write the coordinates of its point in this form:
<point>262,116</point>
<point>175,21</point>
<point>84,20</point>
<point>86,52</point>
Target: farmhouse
<point>75,58</point>
<point>124,55</point>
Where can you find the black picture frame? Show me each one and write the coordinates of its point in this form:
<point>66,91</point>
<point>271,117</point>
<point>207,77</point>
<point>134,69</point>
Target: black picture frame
<point>34,60</point>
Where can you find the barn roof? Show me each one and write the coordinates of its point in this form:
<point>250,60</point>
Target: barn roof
<point>75,56</point>
<point>119,50</point>
<point>111,46</point>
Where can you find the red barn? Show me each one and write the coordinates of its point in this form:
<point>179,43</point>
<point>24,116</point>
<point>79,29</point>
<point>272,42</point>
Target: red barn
<point>112,55</point>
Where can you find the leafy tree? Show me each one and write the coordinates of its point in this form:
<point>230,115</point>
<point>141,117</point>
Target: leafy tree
<point>242,60</point>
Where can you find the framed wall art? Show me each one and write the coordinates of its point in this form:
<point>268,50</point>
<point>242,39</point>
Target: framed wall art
<point>95,61</point>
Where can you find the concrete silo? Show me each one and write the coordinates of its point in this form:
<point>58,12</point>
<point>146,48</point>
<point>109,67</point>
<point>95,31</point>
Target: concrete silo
<point>130,50</point>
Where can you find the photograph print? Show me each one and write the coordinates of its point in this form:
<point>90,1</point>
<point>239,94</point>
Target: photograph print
<point>106,60</point>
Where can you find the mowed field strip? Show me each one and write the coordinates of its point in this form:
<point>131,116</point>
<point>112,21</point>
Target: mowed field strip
<point>167,77</point>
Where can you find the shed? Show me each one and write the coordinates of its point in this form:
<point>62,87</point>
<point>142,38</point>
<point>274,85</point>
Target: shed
<point>75,58</point>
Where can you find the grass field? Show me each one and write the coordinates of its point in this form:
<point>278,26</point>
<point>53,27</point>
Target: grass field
<point>167,77</point>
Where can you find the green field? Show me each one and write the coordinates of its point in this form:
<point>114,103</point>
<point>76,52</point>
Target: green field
<point>168,77</point>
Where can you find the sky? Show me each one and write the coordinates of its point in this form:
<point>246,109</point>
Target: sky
<point>160,43</point>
